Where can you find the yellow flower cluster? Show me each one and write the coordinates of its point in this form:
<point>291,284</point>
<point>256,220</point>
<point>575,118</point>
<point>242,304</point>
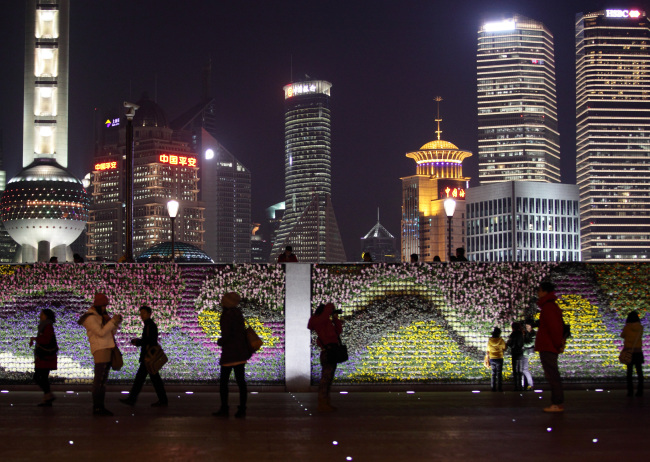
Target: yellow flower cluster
<point>209,322</point>
<point>6,270</point>
<point>420,351</point>
<point>589,337</point>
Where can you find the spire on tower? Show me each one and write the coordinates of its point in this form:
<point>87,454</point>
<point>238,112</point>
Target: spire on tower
<point>438,119</point>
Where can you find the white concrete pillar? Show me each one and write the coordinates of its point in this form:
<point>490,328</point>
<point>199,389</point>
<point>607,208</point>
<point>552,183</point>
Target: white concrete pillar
<point>60,253</point>
<point>44,251</point>
<point>297,360</point>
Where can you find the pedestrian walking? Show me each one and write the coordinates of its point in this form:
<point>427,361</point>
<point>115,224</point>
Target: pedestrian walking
<point>100,328</point>
<point>327,325</point>
<point>148,339</point>
<point>632,340</point>
<point>529,350</point>
<point>45,354</point>
<point>235,351</point>
<point>550,343</point>
<point>516,344</point>
<point>495,348</point>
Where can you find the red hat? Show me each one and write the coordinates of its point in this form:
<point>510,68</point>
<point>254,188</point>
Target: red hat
<point>100,299</point>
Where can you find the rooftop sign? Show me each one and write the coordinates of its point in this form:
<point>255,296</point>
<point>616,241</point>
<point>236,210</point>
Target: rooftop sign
<point>622,13</point>
<point>173,159</point>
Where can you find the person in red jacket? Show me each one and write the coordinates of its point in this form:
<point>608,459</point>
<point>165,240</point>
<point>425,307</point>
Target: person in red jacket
<point>45,355</point>
<point>327,325</point>
<point>550,343</point>
<point>287,256</point>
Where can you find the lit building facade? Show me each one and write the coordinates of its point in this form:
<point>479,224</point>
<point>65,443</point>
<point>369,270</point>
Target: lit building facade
<point>225,186</point>
<point>164,169</point>
<point>380,244</point>
<point>523,221</point>
<point>613,134</point>
<point>439,176</point>
<point>517,110</point>
<point>309,224</point>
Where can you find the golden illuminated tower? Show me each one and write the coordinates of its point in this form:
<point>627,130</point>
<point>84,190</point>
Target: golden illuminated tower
<point>439,175</point>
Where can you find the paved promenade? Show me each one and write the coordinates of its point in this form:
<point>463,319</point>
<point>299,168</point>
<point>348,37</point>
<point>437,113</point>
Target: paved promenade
<point>377,426</point>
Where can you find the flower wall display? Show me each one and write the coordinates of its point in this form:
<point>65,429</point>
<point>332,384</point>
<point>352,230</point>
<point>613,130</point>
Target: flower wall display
<point>429,323</point>
<point>184,300</point>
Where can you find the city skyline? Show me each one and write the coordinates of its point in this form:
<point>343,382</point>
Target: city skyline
<point>386,62</point>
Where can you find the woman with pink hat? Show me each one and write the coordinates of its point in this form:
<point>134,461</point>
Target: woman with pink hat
<point>100,328</point>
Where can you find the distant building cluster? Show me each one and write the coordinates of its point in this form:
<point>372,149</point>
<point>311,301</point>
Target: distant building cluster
<point>520,211</point>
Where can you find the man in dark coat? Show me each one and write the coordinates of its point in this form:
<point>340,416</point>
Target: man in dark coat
<point>149,339</point>
<point>550,343</point>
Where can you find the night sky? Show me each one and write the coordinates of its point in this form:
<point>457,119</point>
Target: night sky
<point>387,61</point>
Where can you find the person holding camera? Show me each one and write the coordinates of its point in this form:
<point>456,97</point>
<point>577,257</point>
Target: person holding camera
<point>100,328</point>
<point>327,325</point>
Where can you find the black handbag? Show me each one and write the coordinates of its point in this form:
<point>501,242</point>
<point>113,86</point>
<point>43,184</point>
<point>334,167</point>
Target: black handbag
<point>336,353</point>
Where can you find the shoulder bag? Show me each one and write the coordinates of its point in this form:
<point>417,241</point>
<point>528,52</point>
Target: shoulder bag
<point>625,357</point>
<point>155,359</point>
<point>253,340</point>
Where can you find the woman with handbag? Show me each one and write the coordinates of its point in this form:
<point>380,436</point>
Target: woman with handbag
<point>100,328</point>
<point>327,325</point>
<point>235,351</point>
<point>633,343</point>
<point>45,355</point>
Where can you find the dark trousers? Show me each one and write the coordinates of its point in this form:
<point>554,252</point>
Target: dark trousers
<point>99,384</point>
<point>497,374</point>
<point>552,374</point>
<point>326,378</point>
<point>518,373</point>
<point>240,377</point>
<point>639,374</point>
<point>156,381</point>
<point>42,379</point>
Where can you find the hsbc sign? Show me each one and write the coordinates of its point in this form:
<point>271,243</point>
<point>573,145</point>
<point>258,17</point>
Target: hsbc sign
<point>622,13</point>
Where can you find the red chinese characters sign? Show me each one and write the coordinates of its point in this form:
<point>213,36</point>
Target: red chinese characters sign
<point>106,166</point>
<point>174,159</point>
<point>456,193</point>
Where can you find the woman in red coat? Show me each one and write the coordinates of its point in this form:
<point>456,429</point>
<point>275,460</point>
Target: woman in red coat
<point>45,355</point>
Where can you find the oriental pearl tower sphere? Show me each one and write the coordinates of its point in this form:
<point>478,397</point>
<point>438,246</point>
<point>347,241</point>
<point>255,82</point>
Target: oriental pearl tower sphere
<point>44,209</point>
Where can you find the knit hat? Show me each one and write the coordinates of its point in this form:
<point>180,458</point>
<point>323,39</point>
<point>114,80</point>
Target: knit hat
<point>230,300</point>
<point>100,299</point>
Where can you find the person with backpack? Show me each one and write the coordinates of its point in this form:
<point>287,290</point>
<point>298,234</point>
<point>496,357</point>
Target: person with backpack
<point>516,344</point>
<point>550,342</point>
<point>632,333</point>
<point>328,327</point>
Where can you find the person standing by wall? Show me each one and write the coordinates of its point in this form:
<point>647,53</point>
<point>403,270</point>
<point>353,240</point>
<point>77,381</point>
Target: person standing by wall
<point>100,328</point>
<point>550,343</point>
<point>632,335</point>
<point>516,344</point>
<point>287,256</point>
<point>529,350</point>
<point>148,339</point>
<point>327,325</point>
<point>234,353</point>
<point>45,355</point>
<point>495,349</point>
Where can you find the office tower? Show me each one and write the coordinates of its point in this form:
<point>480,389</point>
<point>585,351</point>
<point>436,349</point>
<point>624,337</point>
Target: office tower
<point>380,244</point>
<point>523,221</point>
<point>309,224</point>
<point>517,110</point>
<point>439,176</point>
<point>225,186</point>
<point>45,227</point>
<point>613,134</point>
<point>7,244</point>
<point>164,169</point>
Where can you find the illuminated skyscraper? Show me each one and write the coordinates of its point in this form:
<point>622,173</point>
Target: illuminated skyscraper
<point>517,110</point>
<point>613,134</point>
<point>309,224</point>
<point>44,207</point>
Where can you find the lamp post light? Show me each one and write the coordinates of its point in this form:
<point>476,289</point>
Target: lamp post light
<point>128,174</point>
<point>450,207</point>
<point>172,209</point>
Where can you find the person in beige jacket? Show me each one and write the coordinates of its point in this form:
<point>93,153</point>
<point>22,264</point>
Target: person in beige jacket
<point>495,348</point>
<point>632,335</point>
<point>100,328</point>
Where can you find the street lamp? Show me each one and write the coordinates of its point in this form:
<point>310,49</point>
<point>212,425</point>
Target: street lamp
<point>128,179</point>
<point>450,207</point>
<point>172,209</point>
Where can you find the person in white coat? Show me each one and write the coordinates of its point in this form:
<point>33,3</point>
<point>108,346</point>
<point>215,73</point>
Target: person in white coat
<point>100,328</point>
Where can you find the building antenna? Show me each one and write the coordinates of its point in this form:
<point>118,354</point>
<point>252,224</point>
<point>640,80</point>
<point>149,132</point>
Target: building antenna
<point>377,214</point>
<point>438,119</point>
